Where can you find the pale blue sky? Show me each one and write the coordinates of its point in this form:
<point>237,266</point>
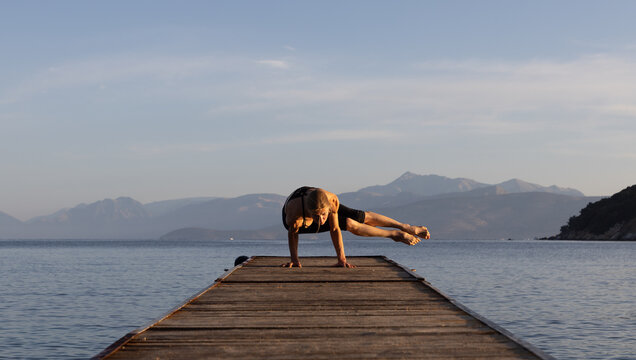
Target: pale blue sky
<point>167,99</point>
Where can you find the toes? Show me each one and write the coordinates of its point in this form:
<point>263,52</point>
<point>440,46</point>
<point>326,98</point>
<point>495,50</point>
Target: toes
<point>411,240</point>
<point>406,238</point>
<point>423,233</point>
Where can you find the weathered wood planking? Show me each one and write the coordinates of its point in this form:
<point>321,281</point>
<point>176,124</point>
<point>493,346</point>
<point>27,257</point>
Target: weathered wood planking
<point>380,310</point>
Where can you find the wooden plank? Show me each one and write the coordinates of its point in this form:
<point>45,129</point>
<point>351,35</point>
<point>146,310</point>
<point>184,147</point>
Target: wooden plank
<point>347,341</point>
<point>320,292</point>
<point>325,261</point>
<point>319,274</point>
<point>185,319</point>
<point>237,334</point>
<point>332,311</point>
<point>356,347</point>
<point>378,310</point>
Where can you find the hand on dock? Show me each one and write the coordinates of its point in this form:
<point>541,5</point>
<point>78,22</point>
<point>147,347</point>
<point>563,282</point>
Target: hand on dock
<point>344,264</point>
<point>292,264</point>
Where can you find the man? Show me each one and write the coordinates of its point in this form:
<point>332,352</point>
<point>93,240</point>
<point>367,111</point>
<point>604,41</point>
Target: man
<point>312,210</point>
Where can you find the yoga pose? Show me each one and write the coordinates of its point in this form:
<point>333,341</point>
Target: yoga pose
<point>313,210</point>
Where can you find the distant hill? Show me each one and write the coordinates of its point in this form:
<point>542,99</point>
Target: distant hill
<point>612,218</point>
<point>247,212</point>
<point>159,208</point>
<point>118,218</point>
<point>8,220</point>
<point>126,218</point>
<point>483,191</point>
<point>104,211</point>
<point>490,216</point>
<point>453,208</point>
<point>409,188</point>
<point>431,185</point>
<point>423,185</point>
<point>368,200</point>
<point>519,186</point>
<point>10,227</point>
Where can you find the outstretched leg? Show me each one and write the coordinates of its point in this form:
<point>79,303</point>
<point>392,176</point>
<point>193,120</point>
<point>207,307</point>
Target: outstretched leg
<point>375,219</point>
<point>367,230</point>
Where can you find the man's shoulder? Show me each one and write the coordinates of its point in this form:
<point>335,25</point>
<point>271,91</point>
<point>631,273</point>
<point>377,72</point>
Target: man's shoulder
<point>333,199</point>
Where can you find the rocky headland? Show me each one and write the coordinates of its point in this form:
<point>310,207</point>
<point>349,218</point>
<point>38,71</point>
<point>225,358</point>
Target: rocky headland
<point>612,218</point>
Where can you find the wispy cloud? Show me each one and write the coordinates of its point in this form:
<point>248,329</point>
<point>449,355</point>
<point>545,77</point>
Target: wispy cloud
<point>98,72</point>
<point>578,96</point>
<point>621,110</point>
<point>277,64</point>
<point>486,94</point>
<point>332,135</point>
<point>483,96</point>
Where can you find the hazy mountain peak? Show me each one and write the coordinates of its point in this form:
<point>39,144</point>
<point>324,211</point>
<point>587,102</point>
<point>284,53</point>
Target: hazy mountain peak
<point>158,208</point>
<point>6,219</point>
<point>424,185</point>
<point>519,186</point>
<point>406,176</point>
<point>122,208</point>
<point>566,191</point>
<point>436,185</point>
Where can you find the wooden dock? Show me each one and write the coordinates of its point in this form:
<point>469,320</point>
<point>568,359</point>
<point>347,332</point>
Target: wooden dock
<point>378,310</point>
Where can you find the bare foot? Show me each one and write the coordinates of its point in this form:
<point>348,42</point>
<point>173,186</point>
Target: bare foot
<point>406,238</point>
<point>419,231</point>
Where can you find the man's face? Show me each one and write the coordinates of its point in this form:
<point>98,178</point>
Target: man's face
<point>321,216</point>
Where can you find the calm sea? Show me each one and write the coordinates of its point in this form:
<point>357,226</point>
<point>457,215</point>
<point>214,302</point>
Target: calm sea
<point>71,299</point>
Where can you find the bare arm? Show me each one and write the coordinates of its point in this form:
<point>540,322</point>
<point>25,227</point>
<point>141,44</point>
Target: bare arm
<point>336,238</point>
<point>294,224</point>
<point>292,238</point>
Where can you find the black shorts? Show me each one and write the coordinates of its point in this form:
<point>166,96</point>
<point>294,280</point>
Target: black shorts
<point>344,213</point>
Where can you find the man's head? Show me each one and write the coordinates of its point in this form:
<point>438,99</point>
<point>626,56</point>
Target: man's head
<point>318,205</point>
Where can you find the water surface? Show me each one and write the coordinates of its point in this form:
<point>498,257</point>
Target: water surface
<point>71,299</point>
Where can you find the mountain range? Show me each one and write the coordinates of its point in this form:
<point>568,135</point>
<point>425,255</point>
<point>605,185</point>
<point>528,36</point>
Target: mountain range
<point>451,208</point>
